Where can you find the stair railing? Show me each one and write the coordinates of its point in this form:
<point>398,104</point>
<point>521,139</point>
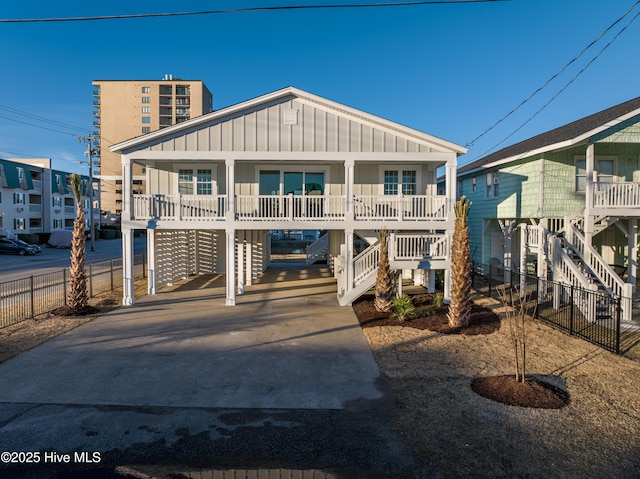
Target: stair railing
<point>366,263</point>
<point>318,249</point>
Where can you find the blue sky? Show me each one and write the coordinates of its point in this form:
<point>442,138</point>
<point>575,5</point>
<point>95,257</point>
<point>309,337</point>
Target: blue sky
<point>449,70</point>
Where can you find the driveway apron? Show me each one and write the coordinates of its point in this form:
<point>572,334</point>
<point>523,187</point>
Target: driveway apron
<point>286,344</point>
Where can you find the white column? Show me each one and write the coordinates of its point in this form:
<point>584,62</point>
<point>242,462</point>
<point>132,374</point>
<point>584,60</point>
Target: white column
<point>127,188</point>
<point>447,285</point>
<point>127,267</point>
<point>231,189</point>
<point>231,268</point>
<point>241,263</point>
<point>588,200</point>
<point>249,253</point>
<point>349,167</point>
<point>151,260</point>
<point>524,248</point>
<point>633,252</point>
<point>348,258</point>
<point>432,280</point>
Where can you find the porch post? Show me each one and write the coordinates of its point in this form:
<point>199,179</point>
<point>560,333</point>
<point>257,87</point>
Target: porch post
<point>127,267</point>
<point>249,255</point>
<point>524,249</point>
<point>241,263</point>
<point>349,166</point>
<point>588,197</point>
<point>231,267</point>
<point>348,258</point>
<point>633,252</point>
<point>127,233</point>
<point>151,261</point>
<point>231,189</point>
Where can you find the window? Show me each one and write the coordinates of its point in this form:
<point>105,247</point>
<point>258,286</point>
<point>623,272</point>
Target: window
<point>18,223</point>
<point>493,183</point>
<point>146,89</point>
<point>35,223</point>
<point>57,201</point>
<point>605,169</point>
<point>18,198</point>
<point>146,119</point>
<point>459,188</point>
<point>404,181</point>
<point>185,182</point>
<point>146,99</point>
<point>57,224</point>
<point>203,185</point>
<point>146,109</point>
<point>474,186</point>
<point>146,129</point>
<point>68,223</point>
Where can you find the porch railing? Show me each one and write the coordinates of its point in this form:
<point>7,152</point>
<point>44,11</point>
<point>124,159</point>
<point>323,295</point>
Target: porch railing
<point>290,207</point>
<point>418,246</point>
<point>616,195</point>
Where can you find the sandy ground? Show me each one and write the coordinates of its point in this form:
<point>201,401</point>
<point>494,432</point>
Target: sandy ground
<point>465,435</point>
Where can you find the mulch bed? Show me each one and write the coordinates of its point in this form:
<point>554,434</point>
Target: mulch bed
<point>69,311</point>
<point>483,320</point>
<point>531,393</point>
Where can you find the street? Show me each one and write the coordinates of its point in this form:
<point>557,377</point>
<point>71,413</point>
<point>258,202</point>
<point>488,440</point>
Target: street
<point>14,267</point>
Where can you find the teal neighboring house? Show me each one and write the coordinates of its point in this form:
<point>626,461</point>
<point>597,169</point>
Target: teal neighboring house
<point>566,202</point>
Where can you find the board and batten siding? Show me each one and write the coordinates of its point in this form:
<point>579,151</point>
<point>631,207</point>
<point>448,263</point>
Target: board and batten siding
<point>315,130</point>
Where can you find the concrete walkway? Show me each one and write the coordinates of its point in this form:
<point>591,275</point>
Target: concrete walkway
<point>287,344</point>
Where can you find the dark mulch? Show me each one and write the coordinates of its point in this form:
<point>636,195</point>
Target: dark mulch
<point>483,320</point>
<point>69,311</point>
<point>532,393</point>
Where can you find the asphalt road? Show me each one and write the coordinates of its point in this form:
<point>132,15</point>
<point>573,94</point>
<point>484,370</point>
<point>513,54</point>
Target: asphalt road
<point>14,267</point>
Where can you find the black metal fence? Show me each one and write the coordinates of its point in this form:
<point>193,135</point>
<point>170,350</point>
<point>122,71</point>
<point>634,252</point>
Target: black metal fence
<point>33,296</point>
<point>591,315</point>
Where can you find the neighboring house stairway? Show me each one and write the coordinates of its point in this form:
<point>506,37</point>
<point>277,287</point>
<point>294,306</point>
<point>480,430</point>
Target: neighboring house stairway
<point>318,250</point>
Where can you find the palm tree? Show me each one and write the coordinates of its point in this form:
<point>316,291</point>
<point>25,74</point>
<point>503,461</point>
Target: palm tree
<point>384,281</point>
<point>78,297</point>
<point>459,313</point>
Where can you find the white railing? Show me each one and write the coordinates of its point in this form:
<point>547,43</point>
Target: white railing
<point>402,207</point>
<point>178,207</point>
<point>318,249</point>
<point>534,235</point>
<point>405,246</point>
<point>289,207</point>
<point>366,263</point>
<point>616,195</point>
<point>607,276</point>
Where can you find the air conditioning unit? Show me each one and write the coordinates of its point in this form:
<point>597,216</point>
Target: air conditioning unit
<point>19,210</point>
<point>57,211</point>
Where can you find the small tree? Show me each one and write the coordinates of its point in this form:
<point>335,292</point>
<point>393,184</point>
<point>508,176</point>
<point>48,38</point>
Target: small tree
<point>459,313</point>
<point>384,280</point>
<point>516,307</point>
<point>78,297</point>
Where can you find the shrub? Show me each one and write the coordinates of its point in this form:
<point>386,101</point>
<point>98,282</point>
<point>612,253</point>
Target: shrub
<point>29,238</point>
<point>438,299</point>
<point>43,238</point>
<point>108,234</point>
<point>402,307</point>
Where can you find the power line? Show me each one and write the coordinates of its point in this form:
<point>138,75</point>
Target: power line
<point>40,118</point>
<point>584,50</point>
<point>241,10</point>
<point>574,78</point>
<point>37,126</point>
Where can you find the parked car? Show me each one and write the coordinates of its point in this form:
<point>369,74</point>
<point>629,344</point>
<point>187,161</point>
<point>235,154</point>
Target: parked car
<point>10,246</point>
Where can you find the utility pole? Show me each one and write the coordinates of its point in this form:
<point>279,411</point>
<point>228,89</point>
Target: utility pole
<point>89,153</point>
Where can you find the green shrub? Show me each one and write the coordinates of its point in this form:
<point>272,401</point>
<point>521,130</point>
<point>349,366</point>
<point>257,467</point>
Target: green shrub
<point>402,307</point>
<point>108,234</point>
<point>43,238</point>
<point>438,299</point>
<point>29,238</point>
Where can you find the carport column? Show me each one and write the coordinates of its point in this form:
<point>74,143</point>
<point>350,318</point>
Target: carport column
<point>249,254</point>
<point>151,261</point>
<point>348,259</point>
<point>127,267</point>
<point>231,267</point>
<point>241,263</point>
<point>588,199</point>
<point>127,233</point>
<point>633,252</point>
<point>349,165</point>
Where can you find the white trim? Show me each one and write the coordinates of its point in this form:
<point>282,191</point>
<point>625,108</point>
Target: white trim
<point>399,168</point>
<point>597,159</point>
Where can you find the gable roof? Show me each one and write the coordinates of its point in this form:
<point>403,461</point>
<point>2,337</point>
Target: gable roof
<point>288,92</point>
<point>562,137</point>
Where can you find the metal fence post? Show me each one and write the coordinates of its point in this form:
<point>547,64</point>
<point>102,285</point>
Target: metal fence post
<point>111,275</point>
<point>144,266</point>
<point>473,274</point>
<point>490,275</point>
<point>571,313</point>
<point>32,299</point>
<point>64,285</point>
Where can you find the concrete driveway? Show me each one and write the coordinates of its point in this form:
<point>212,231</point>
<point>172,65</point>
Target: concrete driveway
<point>287,344</point>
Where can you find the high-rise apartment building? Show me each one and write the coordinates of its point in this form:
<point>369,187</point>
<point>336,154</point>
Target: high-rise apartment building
<point>126,109</point>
